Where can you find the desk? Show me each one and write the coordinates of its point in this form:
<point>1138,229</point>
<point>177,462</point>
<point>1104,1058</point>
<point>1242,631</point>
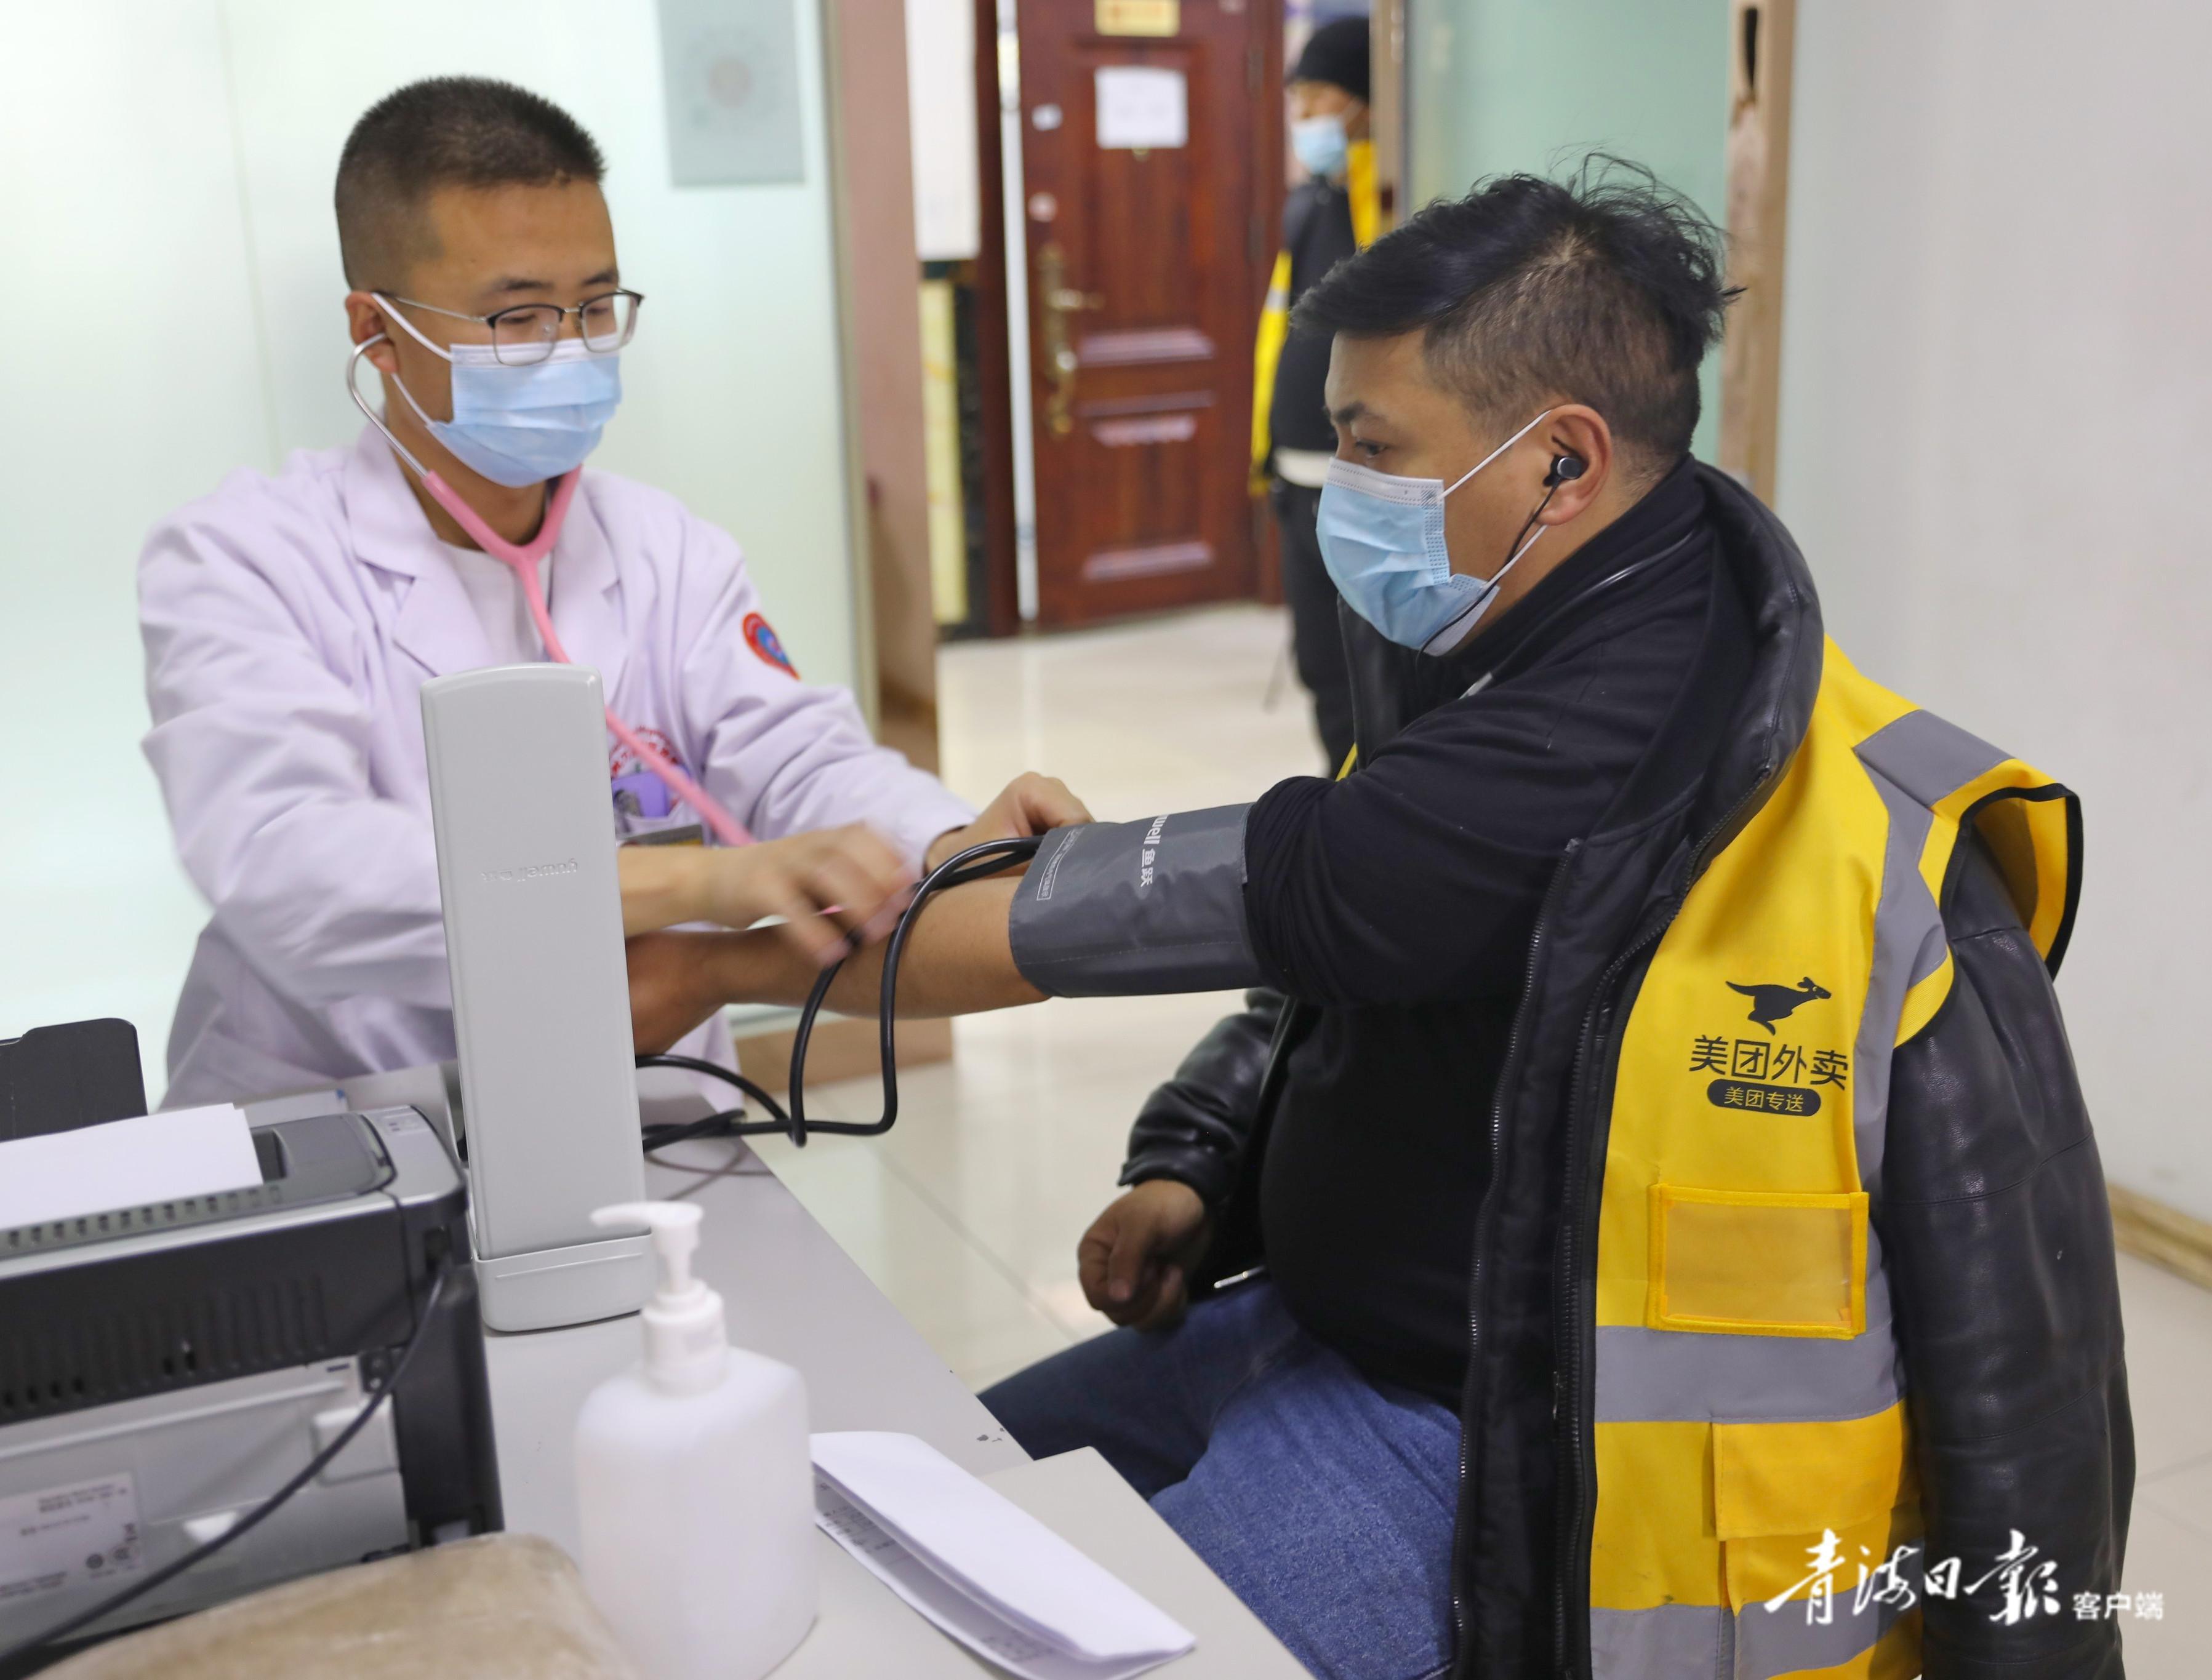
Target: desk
<point>791,1292</point>
<point>787,1289</point>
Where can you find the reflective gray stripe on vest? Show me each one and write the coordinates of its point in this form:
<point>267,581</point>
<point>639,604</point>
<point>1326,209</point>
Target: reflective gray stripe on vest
<point>1769,1643</point>
<point>1694,1641</point>
<point>1667,1642</point>
<point>1909,945</point>
<point>1698,1641</point>
<point>1119,909</point>
<point>1928,757</point>
<point>1656,1376</point>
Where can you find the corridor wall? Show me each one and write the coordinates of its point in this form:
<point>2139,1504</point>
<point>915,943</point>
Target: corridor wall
<point>1996,404</point>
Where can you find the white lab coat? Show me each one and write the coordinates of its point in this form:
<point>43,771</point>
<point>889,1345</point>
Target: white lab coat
<point>288,623</point>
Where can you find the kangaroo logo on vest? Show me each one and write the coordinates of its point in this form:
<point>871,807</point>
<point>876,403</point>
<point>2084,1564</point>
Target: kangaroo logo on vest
<point>1771,1074</point>
<point>1771,1004</point>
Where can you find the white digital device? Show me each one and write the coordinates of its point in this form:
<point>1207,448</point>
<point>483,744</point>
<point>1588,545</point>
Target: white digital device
<point>548,1124</point>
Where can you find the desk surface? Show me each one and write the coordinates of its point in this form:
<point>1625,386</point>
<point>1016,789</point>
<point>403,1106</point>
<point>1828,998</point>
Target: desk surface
<point>790,1292</point>
<point>1078,1496</point>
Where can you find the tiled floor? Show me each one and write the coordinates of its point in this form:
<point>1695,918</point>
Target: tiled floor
<point>967,1215</point>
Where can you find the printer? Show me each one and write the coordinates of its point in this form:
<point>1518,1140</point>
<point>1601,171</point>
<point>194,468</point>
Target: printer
<point>164,1368</point>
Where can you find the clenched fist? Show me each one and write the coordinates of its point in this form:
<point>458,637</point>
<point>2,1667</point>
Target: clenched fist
<point>1135,1261</point>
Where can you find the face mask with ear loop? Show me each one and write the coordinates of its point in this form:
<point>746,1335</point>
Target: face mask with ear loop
<point>522,560</point>
<point>1321,144</point>
<point>519,425</point>
<point>1383,540</point>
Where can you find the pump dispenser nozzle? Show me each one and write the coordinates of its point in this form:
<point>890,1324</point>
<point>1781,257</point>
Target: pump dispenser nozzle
<point>686,1344</point>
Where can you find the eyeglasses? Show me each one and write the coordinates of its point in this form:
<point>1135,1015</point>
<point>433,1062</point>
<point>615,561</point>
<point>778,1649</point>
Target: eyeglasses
<point>527,332</point>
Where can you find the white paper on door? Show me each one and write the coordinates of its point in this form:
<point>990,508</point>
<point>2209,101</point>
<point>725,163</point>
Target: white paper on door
<point>1141,105</point>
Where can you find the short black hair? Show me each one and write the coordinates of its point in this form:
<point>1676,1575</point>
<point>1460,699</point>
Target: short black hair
<point>1606,288</point>
<point>447,130</point>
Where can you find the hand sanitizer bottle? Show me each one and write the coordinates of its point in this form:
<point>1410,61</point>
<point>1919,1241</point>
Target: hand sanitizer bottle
<point>694,1484</point>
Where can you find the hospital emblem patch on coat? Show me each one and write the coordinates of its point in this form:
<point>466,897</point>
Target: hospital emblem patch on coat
<point>762,638</point>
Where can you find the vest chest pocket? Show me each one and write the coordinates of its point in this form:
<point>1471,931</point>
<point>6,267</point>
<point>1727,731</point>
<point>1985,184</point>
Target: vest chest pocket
<point>1761,1263</point>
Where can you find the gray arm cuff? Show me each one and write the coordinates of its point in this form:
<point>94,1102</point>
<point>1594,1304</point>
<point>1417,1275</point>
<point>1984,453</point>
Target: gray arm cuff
<point>1125,909</point>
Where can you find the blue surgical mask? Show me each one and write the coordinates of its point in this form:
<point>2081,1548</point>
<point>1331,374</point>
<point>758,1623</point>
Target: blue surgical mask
<point>519,425</point>
<point>1382,541</point>
<point>1321,145</point>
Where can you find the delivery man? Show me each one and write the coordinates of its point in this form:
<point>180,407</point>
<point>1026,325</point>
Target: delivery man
<point>290,622</point>
<point>1333,212</point>
<point>1681,1244</point>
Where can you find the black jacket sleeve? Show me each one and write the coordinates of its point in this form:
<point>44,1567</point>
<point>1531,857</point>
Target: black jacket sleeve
<point>1999,1242</point>
<point>1195,1128</point>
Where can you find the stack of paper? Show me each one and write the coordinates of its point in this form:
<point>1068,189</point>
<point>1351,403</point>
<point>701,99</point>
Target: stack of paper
<point>125,1164</point>
<point>980,1566</point>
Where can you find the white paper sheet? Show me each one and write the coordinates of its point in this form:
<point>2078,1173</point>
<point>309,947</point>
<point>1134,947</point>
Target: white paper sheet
<point>125,1164</point>
<point>1141,105</point>
<point>981,1567</point>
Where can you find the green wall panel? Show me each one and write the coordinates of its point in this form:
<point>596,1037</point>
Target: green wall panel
<point>1499,86</point>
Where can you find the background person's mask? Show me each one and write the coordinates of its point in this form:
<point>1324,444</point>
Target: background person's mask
<point>519,426</point>
<point>1320,142</point>
<point>1382,541</point>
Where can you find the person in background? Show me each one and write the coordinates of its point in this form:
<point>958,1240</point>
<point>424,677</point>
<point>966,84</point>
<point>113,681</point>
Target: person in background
<point>289,623</point>
<point>1330,215</point>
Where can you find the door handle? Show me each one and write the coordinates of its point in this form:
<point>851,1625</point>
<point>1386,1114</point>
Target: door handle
<point>1060,300</point>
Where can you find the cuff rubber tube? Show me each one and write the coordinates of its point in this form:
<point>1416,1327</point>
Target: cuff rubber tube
<point>1127,909</point>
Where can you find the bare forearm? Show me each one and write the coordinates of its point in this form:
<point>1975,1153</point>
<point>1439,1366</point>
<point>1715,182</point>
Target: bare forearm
<point>662,886</point>
<point>959,961</point>
<point>671,989</point>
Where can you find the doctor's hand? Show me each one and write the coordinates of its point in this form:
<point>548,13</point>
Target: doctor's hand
<point>1135,1261</point>
<point>825,885</point>
<point>1029,805</point>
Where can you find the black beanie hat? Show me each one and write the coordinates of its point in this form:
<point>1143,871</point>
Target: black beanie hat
<point>1336,53</point>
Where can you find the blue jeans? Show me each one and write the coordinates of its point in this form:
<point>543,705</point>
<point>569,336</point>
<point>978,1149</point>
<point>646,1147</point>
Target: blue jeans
<point>1323,1500</point>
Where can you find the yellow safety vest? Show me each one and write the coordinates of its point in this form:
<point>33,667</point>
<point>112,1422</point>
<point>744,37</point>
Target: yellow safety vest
<point>1749,1420</point>
<point>1366,206</point>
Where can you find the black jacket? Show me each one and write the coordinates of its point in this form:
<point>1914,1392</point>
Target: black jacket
<point>1993,1215</point>
<point>1317,233</point>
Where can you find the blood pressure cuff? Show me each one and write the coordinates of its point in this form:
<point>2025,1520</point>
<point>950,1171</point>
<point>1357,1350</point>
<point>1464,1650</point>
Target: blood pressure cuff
<point>1126,909</point>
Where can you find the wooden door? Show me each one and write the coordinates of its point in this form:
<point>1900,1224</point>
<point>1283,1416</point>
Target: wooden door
<point>1151,172</point>
<point>1762,47</point>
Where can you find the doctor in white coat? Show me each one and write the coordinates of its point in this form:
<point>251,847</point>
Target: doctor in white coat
<point>290,622</point>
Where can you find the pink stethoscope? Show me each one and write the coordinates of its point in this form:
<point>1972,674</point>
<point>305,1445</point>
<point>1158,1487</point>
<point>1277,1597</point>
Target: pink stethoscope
<point>523,561</point>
